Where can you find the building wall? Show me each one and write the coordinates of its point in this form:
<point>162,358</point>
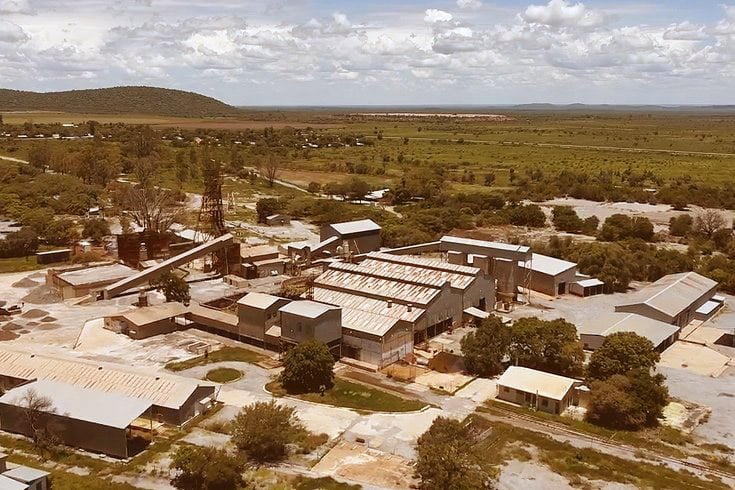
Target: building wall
<point>549,284</point>
<point>392,347</point>
<point>72,432</point>
<point>188,410</point>
<point>359,243</point>
<point>160,327</point>
<point>682,319</point>
<point>326,328</point>
<point>538,402</point>
<point>266,270</point>
<point>254,322</point>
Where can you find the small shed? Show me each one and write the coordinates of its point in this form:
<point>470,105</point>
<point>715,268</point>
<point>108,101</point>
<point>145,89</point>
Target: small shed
<point>278,220</point>
<point>587,287</point>
<point>53,256</point>
<point>549,275</point>
<point>29,478</point>
<point>84,418</point>
<point>543,391</point>
<point>141,323</point>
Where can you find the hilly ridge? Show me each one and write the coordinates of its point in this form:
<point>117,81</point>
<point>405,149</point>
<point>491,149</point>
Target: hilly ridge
<point>118,100</point>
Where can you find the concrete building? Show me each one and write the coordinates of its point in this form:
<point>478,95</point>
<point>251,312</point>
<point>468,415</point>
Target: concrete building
<point>549,275</point>
<point>594,332</point>
<point>587,286</point>
<point>542,391</point>
<point>358,236</point>
<point>278,220</point>
<point>262,261</point>
<point>306,320</point>
<point>673,299</point>
<point>141,323</point>
<point>78,281</point>
<point>174,399</point>
<point>83,418</point>
<point>258,312</point>
<point>19,477</point>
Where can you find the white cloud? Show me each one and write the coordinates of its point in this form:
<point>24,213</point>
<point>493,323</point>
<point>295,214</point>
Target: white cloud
<point>469,4</point>
<point>16,7</point>
<point>560,13</point>
<point>11,33</point>
<point>433,16</point>
<point>685,31</point>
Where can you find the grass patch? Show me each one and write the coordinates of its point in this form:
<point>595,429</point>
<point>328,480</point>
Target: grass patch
<point>324,483</point>
<point>224,375</point>
<point>578,465</point>
<point>239,354</point>
<point>354,395</point>
<point>20,264</point>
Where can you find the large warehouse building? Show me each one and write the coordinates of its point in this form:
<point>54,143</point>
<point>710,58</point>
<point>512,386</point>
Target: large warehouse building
<point>175,400</point>
<point>673,299</point>
<point>661,334</point>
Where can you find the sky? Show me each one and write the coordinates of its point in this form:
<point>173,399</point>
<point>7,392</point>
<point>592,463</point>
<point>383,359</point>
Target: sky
<point>378,52</point>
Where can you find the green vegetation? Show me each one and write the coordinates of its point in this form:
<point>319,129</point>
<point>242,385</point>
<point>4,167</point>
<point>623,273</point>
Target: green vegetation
<point>173,287</point>
<point>621,353</point>
<point>308,368</point>
<point>116,100</point>
<point>239,354</point>
<point>224,375</point>
<point>354,395</point>
<point>448,456</point>
<point>324,483</point>
<point>20,264</point>
<point>549,346</point>
<point>485,347</point>
<point>205,468</point>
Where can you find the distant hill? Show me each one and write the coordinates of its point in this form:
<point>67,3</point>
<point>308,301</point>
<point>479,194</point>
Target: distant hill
<point>118,100</point>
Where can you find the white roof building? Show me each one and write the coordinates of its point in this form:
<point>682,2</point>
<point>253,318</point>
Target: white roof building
<point>528,380</point>
<point>658,332</point>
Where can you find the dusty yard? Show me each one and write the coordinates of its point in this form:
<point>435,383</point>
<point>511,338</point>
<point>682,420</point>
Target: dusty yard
<point>357,463</point>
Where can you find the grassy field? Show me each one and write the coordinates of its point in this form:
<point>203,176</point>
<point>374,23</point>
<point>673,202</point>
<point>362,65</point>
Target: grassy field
<point>239,354</point>
<point>354,395</point>
<point>20,264</point>
<point>224,375</point>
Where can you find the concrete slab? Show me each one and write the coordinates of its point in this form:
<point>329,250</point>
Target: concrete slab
<point>696,358</point>
<point>479,390</point>
<point>449,382</point>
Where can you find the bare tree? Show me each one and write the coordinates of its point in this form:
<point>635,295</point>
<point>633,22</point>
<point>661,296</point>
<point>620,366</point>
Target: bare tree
<point>270,169</point>
<point>152,208</point>
<point>38,412</point>
<point>708,221</point>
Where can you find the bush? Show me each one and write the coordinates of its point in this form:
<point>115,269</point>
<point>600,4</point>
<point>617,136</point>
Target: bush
<point>263,430</point>
<point>205,468</point>
<point>173,287</point>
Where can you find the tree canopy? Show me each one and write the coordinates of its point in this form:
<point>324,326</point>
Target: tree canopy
<point>545,345</point>
<point>485,347</point>
<point>263,430</point>
<point>173,287</point>
<point>205,468</point>
<point>621,353</point>
<point>308,367</point>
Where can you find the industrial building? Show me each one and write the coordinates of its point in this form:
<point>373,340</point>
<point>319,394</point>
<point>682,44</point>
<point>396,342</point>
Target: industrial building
<point>257,313</point>
<point>549,275</point>
<point>543,391</point>
<point>19,477</point>
<point>278,220</point>
<point>141,323</point>
<point>358,236</point>
<point>78,281</point>
<point>587,286</point>
<point>79,417</point>
<point>593,333</point>
<point>175,400</point>
<point>672,299</point>
<point>306,320</point>
<point>261,261</point>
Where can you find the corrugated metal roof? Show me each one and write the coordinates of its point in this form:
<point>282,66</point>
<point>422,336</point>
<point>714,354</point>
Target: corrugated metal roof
<point>151,314</point>
<point>369,323</point>
<point>259,300</point>
<point>97,407</point>
<point>352,227</point>
<point>674,293</point>
<point>10,484</point>
<point>377,287</point>
<point>95,275</point>
<point>426,263</point>
<point>544,384</point>
<point>163,390</point>
<point>654,330</point>
<point>307,308</point>
<point>588,283</point>
<point>486,244</point>
<point>370,305</point>
<point>547,265</point>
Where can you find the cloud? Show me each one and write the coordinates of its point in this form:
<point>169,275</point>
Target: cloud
<point>16,7</point>
<point>12,33</point>
<point>685,31</point>
<point>434,16</point>
<point>560,13</point>
<point>469,4</point>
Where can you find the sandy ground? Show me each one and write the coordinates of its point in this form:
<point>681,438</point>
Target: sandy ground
<point>659,214</point>
<point>296,231</point>
<point>357,463</point>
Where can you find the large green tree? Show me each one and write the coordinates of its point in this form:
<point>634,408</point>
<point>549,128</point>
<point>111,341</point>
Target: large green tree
<point>308,367</point>
<point>550,346</point>
<point>485,347</point>
<point>173,287</point>
<point>205,468</point>
<point>621,353</point>
<point>263,430</point>
<point>447,458</point>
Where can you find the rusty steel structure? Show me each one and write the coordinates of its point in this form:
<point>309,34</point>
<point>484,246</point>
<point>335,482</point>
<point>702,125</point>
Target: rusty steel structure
<point>211,221</point>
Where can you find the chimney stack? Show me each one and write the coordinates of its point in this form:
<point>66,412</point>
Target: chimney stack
<point>409,307</point>
<point>390,303</point>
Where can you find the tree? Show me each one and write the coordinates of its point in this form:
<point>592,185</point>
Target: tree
<point>621,353</point>
<point>205,468</point>
<point>550,346</point>
<point>61,232</point>
<point>628,401</point>
<point>271,167</point>
<point>308,368</point>
<point>314,187</point>
<point>357,188</point>
<point>565,219</point>
<point>681,225</point>
<point>620,226</point>
<point>38,415</point>
<point>527,215</point>
<point>96,229</point>
<point>263,430</point>
<point>485,347</point>
<point>708,221</point>
<point>39,156</point>
<point>152,208</point>
<point>447,457</point>
<point>173,287</point>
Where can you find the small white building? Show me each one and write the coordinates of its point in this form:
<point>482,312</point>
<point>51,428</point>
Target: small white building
<point>537,389</point>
